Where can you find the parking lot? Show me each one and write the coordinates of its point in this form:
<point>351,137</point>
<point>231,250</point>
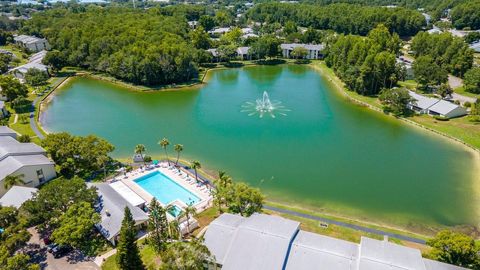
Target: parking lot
<point>73,260</point>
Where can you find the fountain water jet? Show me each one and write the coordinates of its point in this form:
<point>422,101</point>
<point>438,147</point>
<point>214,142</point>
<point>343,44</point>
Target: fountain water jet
<point>264,106</point>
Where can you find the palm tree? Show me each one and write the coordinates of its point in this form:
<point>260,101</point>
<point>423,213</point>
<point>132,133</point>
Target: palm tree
<point>164,143</point>
<point>140,149</point>
<point>178,148</point>
<point>196,165</point>
<point>174,225</point>
<point>189,212</point>
<point>12,180</point>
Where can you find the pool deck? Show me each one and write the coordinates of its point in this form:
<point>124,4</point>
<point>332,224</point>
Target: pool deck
<point>178,175</point>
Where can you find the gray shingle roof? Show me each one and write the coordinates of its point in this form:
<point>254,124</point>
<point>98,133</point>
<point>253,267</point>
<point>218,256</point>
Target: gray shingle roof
<point>259,242</point>
<point>12,164</point>
<point>11,147</point>
<point>17,195</point>
<point>310,250</point>
<point>270,242</point>
<point>220,234</point>
<point>27,39</point>
<point>376,254</point>
<point>114,204</point>
<point>422,102</point>
<point>6,131</point>
<point>444,107</point>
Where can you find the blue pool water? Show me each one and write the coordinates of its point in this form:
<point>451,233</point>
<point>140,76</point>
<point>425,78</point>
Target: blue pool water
<point>165,189</point>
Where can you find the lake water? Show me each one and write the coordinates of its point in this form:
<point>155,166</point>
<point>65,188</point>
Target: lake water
<point>325,153</point>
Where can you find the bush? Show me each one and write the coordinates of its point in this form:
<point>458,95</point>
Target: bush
<point>467,104</point>
<point>147,159</point>
<point>24,138</point>
<point>440,118</point>
<point>23,118</point>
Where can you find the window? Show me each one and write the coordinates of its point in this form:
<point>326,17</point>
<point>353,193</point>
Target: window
<point>41,177</point>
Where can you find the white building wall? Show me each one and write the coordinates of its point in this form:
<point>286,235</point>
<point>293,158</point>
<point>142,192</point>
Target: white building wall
<point>30,176</point>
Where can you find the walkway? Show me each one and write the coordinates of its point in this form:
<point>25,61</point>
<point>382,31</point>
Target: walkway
<point>346,225</point>
<point>33,123</point>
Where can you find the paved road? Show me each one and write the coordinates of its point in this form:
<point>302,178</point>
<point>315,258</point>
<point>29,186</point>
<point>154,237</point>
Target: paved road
<point>33,123</point>
<point>346,225</point>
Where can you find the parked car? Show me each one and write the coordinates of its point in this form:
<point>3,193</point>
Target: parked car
<point>51,246</point>
<point>60,251</point>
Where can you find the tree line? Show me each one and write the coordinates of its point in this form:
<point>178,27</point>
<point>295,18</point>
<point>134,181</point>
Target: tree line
<point>138,46</point>
<point>366,65</point>
<point>450,53</point>
<point>342,18</point>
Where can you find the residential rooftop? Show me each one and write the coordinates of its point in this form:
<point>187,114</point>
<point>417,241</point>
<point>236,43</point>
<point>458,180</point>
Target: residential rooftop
<point>270,242</point>
<point>11,147</point>
<point>17,195</point>
<point>111,207</point>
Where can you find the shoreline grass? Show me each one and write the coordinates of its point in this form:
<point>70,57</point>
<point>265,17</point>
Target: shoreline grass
<point>459,130</point>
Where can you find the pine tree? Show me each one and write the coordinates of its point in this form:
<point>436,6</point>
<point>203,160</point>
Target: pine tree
<point>128,255</point>
<point>157,226</point>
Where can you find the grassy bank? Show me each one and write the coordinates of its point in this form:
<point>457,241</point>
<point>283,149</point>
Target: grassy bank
<point>459,129</point>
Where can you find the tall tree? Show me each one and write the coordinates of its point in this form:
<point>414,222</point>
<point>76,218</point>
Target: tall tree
<point>76,225</point>
<point>395,100</point>
<point>36,77</point>
<point>195,166</point>
<point>454,248</point>
<point>186,255</point>
<point>55,198</point>
<point>139,150</point>
<point>164,143</point>
<point>207,22</point>
<point>128,255</point>
<point>157,226</point>
<point>178,148</point>
<point>77,155</point>
<point>472,80</point>
<point>12,88</point>
<point>428,73</point>
<point>245,200</point>
<point>12,180</point>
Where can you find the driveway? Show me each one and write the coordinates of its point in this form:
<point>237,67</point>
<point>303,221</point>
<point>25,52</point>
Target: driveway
<point>74,260</point>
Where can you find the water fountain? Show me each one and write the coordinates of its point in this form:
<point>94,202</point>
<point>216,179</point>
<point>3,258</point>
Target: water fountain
<point>264,106</point>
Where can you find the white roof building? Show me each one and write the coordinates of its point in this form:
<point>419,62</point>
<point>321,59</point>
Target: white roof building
<point>219,30</point>
<point>26,159</point>
<point>447,109</point>
<point>271,243</point>
<point>475,47</point>
<point>111,207</point>
<point>127,193</point>
<point>6,131</point>
<point>435,106</point>
<point>17,195</point>
<point>31,43</point>
<point>314,51</point>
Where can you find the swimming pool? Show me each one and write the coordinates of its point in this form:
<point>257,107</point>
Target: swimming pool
<point>165,189</point>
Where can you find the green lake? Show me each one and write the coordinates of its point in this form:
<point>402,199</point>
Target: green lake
<point>325,153</point>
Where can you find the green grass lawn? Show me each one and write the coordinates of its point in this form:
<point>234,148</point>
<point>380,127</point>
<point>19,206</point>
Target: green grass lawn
<point>149,257</point>
<point>20,55</point>
<point>461,91</point>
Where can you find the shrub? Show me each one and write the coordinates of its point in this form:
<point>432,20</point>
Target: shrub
<point>24,138</point>
<point>440,118</point>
